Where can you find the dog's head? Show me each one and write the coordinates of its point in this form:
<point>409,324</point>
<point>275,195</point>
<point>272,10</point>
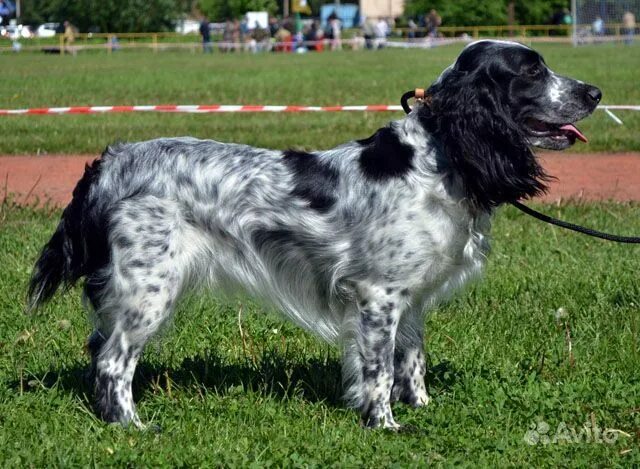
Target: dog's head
<point>545,104</point>
<point>491,106</point>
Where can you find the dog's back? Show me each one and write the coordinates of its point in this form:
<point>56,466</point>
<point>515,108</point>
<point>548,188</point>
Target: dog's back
<point>149,219</point>
<point>157,215</point>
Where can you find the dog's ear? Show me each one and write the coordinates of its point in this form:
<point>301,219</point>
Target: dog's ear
<point>482,144</point>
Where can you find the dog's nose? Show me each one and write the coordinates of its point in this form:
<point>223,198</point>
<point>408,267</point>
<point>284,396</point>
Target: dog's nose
<point>594,93</point>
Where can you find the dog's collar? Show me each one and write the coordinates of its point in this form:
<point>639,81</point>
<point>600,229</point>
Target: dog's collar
<point>419,94</point>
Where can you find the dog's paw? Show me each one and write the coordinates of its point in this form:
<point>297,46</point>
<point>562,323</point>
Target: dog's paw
<point>421,398</point>
<point>386,423</point>
<point>415,396</point>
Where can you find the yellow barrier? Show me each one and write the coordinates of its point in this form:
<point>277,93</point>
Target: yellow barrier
<point>170,40</point>
<point>529,31</point>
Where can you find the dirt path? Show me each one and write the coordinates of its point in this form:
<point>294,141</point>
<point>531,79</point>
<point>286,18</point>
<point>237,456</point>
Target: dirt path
<point>596,176</point>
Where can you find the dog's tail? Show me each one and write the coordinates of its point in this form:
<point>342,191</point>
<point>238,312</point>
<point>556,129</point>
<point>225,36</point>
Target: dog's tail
<point>63,259</point>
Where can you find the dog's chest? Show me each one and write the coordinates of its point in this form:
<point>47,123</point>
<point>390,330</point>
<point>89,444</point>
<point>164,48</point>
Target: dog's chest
<point>450,247</point>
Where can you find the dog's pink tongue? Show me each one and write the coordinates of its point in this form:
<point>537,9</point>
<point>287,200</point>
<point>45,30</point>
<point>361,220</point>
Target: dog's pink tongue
<point>574,129</point>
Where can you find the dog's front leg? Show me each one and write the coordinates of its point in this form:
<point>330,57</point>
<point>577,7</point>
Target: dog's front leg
<point>368,360</point>
<point>409,360</point>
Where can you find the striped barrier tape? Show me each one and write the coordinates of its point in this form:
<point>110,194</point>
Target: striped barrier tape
<point>194,109</point>
<point>215,108</point>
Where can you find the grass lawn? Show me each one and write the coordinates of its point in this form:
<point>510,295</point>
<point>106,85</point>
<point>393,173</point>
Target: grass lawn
<point>362,77</point>
<point>499,354</point>
<point>547,345</point>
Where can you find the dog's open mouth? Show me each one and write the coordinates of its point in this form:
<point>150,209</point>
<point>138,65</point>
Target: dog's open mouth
<point>559,132</point>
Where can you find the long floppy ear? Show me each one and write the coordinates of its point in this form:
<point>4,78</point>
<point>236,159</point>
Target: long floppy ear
<point>481,142</point>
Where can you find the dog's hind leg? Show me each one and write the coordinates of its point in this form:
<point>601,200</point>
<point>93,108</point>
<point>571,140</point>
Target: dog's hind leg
<point>137,293</point>
<point>409,361</point>
<point>369,341</point>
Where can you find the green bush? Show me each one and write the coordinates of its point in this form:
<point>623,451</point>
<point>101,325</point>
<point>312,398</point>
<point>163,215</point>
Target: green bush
<point>105,16</point>
<point>490,12</point>
<point>219,10</point>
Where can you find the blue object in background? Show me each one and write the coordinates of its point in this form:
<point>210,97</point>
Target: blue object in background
<point>7,8</point>
<point>347,12</point>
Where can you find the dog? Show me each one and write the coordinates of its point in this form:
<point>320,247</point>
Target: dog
<point>353,244</point>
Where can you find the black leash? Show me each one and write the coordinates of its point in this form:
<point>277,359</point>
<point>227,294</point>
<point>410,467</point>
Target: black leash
<point>419,94</point>
<point>573,227</point>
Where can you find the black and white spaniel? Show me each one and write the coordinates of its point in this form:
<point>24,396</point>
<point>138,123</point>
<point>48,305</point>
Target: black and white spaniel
<point>354,244</point>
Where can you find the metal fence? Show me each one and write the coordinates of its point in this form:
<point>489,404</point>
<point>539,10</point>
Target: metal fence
<point>417,37</point>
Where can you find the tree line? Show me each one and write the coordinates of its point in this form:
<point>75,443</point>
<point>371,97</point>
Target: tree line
<point>487,12</point>
<point>161,15</point>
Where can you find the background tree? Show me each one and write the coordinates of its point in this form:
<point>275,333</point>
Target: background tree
<point>538,12</point>
<point>488,12</point>
<point>220,10</point>
<point>160,15</point>
<point>105,16</point>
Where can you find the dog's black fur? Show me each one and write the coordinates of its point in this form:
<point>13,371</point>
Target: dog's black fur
<point>479,111</point>
<point>353,243</point>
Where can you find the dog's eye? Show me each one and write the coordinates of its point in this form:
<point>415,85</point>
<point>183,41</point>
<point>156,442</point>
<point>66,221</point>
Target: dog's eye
<point>534,70</point>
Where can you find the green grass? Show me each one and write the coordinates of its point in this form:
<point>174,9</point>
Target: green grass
<point>500,360</point>
<point>499,364</point>
<point>362,77</point>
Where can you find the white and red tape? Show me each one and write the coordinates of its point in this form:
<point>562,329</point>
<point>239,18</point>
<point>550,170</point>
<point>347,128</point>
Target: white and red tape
<point>193,109</point>
<point>214,108</point>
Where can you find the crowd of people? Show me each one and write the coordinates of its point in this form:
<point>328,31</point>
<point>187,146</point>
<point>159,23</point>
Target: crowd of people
<point>597,31</point>
<point>291,35</point>
<point>295,35</point>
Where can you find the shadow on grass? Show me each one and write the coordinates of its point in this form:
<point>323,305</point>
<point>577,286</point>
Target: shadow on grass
<point>274,375</point>
<point>315,379</point>
<point>442,377</point>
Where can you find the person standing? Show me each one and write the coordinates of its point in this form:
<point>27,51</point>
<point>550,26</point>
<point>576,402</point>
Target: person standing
<point>205,32</point>
<point>335,27</point>
<point>227,37</point>
<point>598,26</point>
<point>237,35</point>
<point>433,22</point>
<point>69,38</point>
<point>629,26</point>
<point>369,33</point>
<point>412,30</point>
<point>382,31</point>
